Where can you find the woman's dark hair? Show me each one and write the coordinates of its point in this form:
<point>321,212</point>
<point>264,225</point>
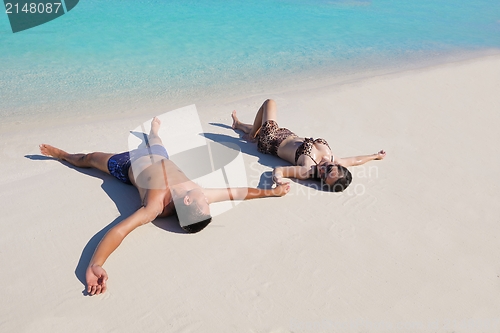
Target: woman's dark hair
<point>345,178</point>
<point>191,219</point>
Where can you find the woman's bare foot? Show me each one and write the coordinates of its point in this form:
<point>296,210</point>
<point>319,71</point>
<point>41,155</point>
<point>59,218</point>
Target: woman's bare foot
<point>155,125</point>
<point>48,150</point>
<point>245,128</point>
<point>236,121</point>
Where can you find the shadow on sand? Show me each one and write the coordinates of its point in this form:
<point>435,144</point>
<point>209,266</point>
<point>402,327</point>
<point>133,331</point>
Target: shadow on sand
<point>271,161</point>
<point>127,200</point>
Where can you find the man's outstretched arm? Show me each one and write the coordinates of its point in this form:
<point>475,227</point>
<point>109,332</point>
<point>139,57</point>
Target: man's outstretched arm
<point>244,193</point>
<point>96,276</point>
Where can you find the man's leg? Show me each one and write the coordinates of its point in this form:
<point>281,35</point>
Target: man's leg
<point>267,111</point>
<point>92,160</point>
<point>153,137</point>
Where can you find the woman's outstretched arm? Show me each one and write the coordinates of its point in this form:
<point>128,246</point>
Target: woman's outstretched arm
<point>298,172</point>
<point>359,160</point>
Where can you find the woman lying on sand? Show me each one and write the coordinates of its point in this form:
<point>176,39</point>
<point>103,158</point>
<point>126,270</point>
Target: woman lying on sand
<point>311,158</point>
<point>163,189</point>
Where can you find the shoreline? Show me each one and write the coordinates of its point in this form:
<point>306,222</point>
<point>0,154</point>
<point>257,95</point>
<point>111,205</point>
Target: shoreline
<point>105,109</point>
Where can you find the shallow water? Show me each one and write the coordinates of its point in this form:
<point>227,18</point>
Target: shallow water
<point>173,49</point>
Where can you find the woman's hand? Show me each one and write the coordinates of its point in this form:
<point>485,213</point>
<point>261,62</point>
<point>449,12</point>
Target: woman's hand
<point>96,278</point>
<point>248,138</point>
<point>380,155</point>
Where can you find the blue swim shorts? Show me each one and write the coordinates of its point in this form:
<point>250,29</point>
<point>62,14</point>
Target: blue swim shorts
<point>119,164</point>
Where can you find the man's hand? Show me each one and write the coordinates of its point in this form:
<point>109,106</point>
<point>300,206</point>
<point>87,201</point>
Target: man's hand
<point>96,280</point>
<point>278,177</point>
<point>281,189</point>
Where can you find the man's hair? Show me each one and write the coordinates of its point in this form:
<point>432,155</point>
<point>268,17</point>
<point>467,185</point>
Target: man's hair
<point>190,217</point>
<point>345,178</point>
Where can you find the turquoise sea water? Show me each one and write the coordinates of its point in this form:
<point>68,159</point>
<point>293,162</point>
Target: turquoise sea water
<point>109,49</point>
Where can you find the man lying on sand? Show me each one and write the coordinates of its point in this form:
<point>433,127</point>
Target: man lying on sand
<point>311,159</point>
<point>163,189</point>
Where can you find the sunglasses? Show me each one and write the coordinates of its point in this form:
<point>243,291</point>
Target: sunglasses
<point>329,169</point>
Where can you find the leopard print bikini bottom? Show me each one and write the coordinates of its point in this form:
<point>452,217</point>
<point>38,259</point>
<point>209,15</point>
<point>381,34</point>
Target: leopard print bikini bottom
<point>271,136</point>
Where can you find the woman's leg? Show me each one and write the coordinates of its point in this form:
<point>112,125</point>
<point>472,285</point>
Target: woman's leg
<point>267,111</point>
<point>92,160</point>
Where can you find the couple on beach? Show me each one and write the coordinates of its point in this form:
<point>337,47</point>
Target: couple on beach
<point>165,190</point>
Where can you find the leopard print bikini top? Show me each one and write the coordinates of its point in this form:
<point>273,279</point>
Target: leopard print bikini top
<point>306,148</point>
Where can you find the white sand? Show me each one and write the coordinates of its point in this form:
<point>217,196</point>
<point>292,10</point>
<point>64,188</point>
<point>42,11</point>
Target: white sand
<point>413,245</point>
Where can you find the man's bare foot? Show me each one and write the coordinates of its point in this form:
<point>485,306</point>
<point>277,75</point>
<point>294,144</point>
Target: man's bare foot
<point>48,150</point>
<point>155,125</point>
<point>236,122</point>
